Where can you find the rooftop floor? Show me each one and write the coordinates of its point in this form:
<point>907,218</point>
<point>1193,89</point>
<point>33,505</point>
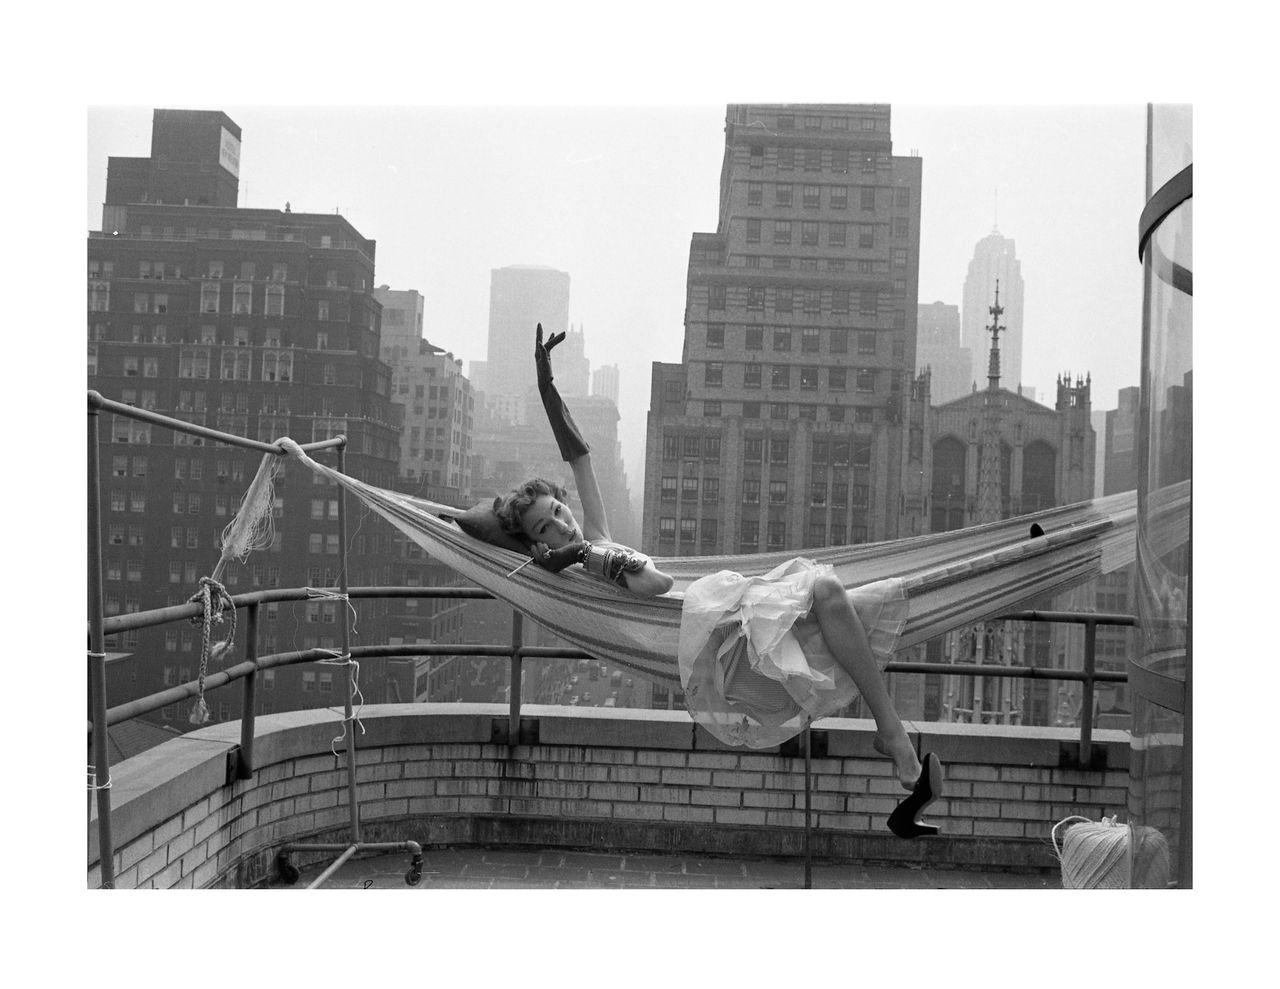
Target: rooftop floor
<point>493,868</point>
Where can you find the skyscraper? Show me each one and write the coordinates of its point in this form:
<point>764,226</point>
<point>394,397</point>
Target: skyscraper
<point>605,381</point>
<point>520,297</point>
<point>994,260</point>
<point>938,348</point>
<point>781,428</point>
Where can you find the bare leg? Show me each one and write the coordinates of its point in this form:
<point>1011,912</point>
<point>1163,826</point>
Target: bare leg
<point>847,639</point>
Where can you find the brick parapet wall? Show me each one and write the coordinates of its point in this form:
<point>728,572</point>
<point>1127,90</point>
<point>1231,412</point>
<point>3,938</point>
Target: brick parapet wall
<point>646,780</point>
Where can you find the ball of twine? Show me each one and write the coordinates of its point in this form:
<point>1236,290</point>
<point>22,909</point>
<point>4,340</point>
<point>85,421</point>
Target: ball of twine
<point>1094,854</point>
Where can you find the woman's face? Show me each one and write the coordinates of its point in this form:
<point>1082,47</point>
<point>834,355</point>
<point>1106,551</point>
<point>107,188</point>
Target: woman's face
<point>549,521</point>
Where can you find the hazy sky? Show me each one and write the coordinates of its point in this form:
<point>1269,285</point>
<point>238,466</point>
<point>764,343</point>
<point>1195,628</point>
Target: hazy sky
<point>613,195</point>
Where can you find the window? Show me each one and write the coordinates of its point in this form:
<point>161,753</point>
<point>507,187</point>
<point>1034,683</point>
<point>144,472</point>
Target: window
<point>714,374</point>
<point>160,303</point>
<point>757,156</point>
<point>751,410</point>
<point>810,197</point>
<point>666,529</point>
<point>840,195</point>
<point>778,449</point>
<point>866,379</point>
<point>715,336</point>
<point>809,378</point>
<point>99,296</point>
<point>708,533</point>
<point>782,340</point>
<point>716,297</point>
<point>782,194</point>
<point>693,445</point>
<point>711,448</point>
<point>322,309</point>
<point>864,414</point>
<point>783,299</point>
<point>858,494</point>
<point>778,410</point>
<point>835,413</point>
<point>753,231</point>
<point>754,338</point>
<point>840,495</point>
<point>780,376</point>
<point>867,197</point>
<point>751,491</point>
<point>210,296</point>
<point>902,198</point>
<point>840,159</point>
<point>899,226</point>
<point>813,159</point>
<point>275,300</point>
<point>689,488</point>
<point>836,377</point>
<point>836,234</point>
<point>866,341</point>
<point>866,235</point>
<point>751,376</point>
<point>755,296</point>
<point>750,534</point>
<point>755,193</point>
<point>786,159</point>
<point>868,301</point>
<point>711,491</point>
<point>777,536</point>
<point>817,534</point>
<point>813,300</point>
<point>752,449</point>
<point>711,409</point>
<point>782,231</point>
<point>809,233</point>
<point>670,446</point>
<point>279,272</point>
<point>786,121</point>
<point>899,257</point>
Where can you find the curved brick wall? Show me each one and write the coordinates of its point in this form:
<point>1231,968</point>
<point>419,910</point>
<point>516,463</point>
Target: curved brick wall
<point>644,780</point>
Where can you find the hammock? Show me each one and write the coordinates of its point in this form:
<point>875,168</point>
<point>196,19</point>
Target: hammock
<point>951,579</point>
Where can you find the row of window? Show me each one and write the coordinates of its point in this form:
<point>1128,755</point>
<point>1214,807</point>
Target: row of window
<point>689,491</point>
<point>839,161</point>
<point>813,121</point>
<point>211,302</point>
<point>780,377</point>
<point>784,232</point>
<point>812,300</point>
<point>160,270</point>
<point>784,195</point>
<point>715,409</point>
<point>207,335</point>
<point>817,534</point>
<point>784,338</point>
<point>822,452</point>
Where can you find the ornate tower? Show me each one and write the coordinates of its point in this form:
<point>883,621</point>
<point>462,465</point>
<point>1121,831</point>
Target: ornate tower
<point>990,507</point>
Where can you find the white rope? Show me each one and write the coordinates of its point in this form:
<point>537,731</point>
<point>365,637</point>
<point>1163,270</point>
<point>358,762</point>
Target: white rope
<point>357,697</point>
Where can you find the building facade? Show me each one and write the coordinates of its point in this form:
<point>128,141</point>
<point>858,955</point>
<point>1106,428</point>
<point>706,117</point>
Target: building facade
<point>782,426</point>
<point>520,297</point>
<point>939,350</point>
<point>258,323</point>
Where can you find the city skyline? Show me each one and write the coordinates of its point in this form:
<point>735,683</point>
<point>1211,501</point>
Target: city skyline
<point>612,196</point>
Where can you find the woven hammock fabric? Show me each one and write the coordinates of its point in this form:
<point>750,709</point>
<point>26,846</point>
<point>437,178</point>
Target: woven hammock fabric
<point>951,579</point>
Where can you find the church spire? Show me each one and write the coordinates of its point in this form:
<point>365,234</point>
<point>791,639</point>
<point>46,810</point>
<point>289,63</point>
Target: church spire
<point>995,329</point>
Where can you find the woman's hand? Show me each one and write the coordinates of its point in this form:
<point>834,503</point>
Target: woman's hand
<point>556,560</point>
<point>542,357</point>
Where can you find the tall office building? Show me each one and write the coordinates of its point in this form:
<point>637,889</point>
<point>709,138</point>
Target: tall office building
<point>605,381</point>
<point>781,427</point>
<point>254,322</point>
<point>938,349</point>
<point>994,259</point>
<point>520,297</point>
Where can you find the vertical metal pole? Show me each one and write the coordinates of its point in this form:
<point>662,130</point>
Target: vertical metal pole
<point>244,759</point>
<point>517,641</point>
<point>349,724</point>
<point>1086,704</point>
<point>808,825</point>
<point>98,659</point>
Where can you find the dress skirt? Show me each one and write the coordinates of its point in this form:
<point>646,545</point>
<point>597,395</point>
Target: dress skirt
<point>754,664</point>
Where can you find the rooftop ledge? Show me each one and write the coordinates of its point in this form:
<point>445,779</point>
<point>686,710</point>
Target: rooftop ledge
<point>444,774</point>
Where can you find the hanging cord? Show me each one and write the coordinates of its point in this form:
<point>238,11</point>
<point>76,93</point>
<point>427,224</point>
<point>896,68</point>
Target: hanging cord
<point>214,601</point>
<point>357,698</point>
<point>93,779</point>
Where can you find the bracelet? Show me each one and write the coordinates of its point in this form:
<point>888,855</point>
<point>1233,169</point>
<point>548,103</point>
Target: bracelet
<point>610,563</point>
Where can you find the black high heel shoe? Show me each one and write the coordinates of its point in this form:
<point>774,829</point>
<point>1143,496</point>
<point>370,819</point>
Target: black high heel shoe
<point>905,819</point>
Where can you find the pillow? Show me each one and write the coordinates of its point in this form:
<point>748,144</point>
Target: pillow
<point>481,522</point>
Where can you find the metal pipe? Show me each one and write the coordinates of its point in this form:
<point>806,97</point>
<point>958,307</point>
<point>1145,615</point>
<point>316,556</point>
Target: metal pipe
<point>181,426</point>
<point>517,653</point>
<point>98,661</point>
<point>349,714</point>
<point>808,824</point>
<point>248,719</point>
<point>1086,703</point>
<point>335,865</point>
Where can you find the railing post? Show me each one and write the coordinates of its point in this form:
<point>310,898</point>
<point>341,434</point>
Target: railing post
<point>517,642</point>
<point>808,823</point>
<point>244,758</point>
<point>1086,704</point>
<point>98,659</point>
<point>348,713</point>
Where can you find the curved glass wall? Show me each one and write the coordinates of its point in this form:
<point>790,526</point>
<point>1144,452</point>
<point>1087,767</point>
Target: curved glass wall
<point>1160,667</point>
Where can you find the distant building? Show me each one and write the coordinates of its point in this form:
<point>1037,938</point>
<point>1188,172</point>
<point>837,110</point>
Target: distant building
<point>605,381</point>
<point>938,349</point>
<point>254,322</point>
<point>782,425</point>
<point>521,297</point>
<point>1120,472</point>
<point>994,260</point>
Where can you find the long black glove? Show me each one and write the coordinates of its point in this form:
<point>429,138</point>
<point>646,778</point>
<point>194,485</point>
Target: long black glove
<point>556,560</point>
<point>572,445</point>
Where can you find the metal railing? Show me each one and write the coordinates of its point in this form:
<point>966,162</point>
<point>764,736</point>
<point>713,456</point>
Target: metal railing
<point>100,626</point>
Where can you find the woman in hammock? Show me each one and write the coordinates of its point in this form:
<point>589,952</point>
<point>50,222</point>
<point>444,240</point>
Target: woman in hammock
<point>807,653</point>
